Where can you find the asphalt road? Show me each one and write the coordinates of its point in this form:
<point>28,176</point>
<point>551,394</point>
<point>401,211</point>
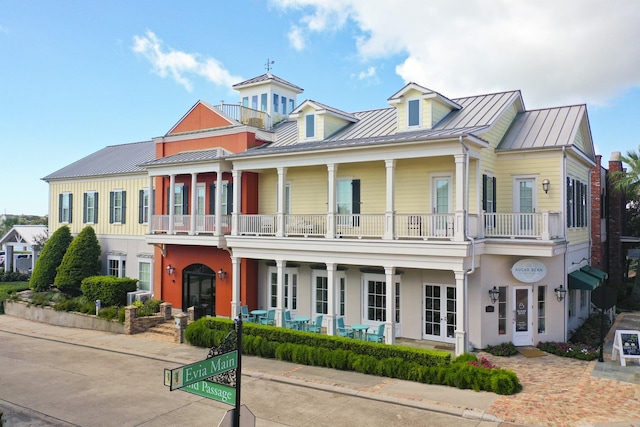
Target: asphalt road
<point>49,383</point>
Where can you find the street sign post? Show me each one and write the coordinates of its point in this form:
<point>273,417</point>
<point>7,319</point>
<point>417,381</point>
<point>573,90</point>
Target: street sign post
<point>195,372</point>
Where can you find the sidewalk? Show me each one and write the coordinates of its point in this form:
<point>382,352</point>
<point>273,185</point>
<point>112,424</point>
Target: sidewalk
<point>556,391</point>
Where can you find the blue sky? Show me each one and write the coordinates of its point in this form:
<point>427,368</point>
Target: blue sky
<point>76,76</point>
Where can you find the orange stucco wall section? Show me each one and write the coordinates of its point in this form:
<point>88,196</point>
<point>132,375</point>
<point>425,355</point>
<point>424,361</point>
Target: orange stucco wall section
<point>200,117</point>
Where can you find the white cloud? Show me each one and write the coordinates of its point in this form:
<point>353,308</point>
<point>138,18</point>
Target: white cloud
<point>369,73</point>
<point>179,65</point>
<point>296,38</point>
<point>555,51</point>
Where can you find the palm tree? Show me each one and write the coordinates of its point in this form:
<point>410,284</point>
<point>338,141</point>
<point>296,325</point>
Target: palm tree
<point>628,181</point>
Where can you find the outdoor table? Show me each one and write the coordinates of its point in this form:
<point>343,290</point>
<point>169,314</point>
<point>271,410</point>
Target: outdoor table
<point>360,330</point>
<point>259,314</point>
<point>302,322</point>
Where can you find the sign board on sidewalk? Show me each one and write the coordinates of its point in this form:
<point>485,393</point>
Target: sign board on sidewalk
<point>633,254</point>
<point>247,419</point>
<point>627,345</point>
<point>195,372</point>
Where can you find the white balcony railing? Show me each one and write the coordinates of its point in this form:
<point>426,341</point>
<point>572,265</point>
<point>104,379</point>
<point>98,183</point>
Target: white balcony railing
<point>513,225</point>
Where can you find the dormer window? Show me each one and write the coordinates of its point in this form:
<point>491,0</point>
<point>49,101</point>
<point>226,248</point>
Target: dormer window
<point>276,101</point>
<point>413,112</point>
<point>310,125</point>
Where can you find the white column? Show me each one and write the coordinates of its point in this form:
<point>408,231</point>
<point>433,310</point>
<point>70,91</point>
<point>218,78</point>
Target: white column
<point>218,204</point>
<point>282,179</point>
<point>280,265</point>
<point>390,300</point>
<point>390,226</point>
<point>332,297</point>
<point>460,192</point>
<point>331,201</point>
<point>237,207</point>
<point>462,336</point>
<point>236,287</point>
<point>194,198</point>
<point>172,202</point>
<point>152,204</point>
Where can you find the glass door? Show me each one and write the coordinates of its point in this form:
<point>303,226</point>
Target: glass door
<point>441,202</point>
<point>199,290</point>
<point>524,204</point>
<point>522,323</point>
<point>439,313</point>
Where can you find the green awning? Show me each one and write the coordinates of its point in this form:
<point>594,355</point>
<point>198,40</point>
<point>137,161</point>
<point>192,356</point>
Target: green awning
<point>581,280</point>
<point>595,272</point>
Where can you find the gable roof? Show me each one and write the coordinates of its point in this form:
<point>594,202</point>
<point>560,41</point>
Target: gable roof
<point>426,93</point>
<point>320,108</point>
<point>111,160</point>
<point>549,128</point>
<point>23,235</point>
<point>201,116</point>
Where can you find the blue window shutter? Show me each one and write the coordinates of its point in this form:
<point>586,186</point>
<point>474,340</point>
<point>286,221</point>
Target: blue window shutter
<point>84,208</point>
<point>111,206</point>
<point>70,208</point>
<point>212,199</point>
<point>124,207</point>
<point>484,192</point>
<point>229,198</point>
<point>95,208</point>
<point>355,201</point>
<point>60,200</point>
<point>140,206</point>
<point>185,200</point>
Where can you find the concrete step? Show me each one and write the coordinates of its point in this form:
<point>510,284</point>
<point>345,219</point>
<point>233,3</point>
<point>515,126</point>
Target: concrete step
<point>166,328</point>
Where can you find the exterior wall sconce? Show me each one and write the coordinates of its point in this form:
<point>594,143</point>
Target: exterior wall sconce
<point>222,275</point>
<point>171,269</point>
<point>545,185</point>
<point>560,292</point>
<point>494,294</point>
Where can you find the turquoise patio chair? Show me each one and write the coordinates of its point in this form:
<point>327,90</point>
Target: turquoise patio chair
<point>270,319</point>
<point>289,322</point>
<point>246,316</point>
<point>377,336</point>
<point>316,327</point>
<point>342,330</point>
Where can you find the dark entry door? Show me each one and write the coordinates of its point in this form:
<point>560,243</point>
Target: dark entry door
<point>199,290</point>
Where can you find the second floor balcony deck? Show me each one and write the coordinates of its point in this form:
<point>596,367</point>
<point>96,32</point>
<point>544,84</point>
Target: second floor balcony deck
<point>543,226</point>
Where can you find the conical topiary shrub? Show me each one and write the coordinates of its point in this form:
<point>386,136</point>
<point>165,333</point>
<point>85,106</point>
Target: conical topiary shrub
<point>50,258</point>
<point>81,260</point>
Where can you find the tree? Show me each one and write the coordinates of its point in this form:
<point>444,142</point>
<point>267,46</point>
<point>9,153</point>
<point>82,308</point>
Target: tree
<point>81,260</point>
<point>628,181</point>
<point>50,258</point>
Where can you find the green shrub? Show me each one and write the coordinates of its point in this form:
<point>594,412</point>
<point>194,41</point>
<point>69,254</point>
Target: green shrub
<point>81,260</point>
<point>110,290</point>
<point>44,272</point>
<point>108,313</point>
<point>10,291</point>
<point>505,349</point>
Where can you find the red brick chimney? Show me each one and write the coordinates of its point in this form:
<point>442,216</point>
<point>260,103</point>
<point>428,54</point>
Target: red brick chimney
<point>598,241</point>
<point>615,217</point>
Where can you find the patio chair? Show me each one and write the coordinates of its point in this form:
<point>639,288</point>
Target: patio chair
<point>342,330</point>
<point>377,336</point>
<point>316,327</point>
<point>270,319</point>
<point>288,321</point>
<point>246,316</point>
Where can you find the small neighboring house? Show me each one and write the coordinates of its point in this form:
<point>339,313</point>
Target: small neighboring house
<point>463,221</point>
<point>21,248</point>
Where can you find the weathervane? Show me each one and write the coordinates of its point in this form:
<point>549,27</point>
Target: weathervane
<point>269,64</point>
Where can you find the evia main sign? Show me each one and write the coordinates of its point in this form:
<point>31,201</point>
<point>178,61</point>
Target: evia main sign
<point>529,270</point>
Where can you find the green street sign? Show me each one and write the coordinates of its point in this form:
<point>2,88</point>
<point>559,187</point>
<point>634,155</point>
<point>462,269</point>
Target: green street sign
<point>190,374</point>
<point>219,392</point>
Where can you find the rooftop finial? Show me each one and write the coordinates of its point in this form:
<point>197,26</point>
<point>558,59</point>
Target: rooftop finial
<point>269,64</point>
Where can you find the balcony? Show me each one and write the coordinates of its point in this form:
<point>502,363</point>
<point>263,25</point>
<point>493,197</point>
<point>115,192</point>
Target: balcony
<point>246,116</point>
<point>523,226</point>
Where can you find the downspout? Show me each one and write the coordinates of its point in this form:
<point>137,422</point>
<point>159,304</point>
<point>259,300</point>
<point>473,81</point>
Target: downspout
<point>564,257</point>
<point>473,245</point>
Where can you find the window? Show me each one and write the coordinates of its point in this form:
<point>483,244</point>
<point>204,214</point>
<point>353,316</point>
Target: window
<point>310,125</point>
<point>583,299</point>
<point>502,310</point>
<point>90,211</point>
<point>144,275</point>
<point>276,102</point>
<point>376,300</point>
<point>542,291</point>
<point>322,295</point>
<point>118,205</point>
<point>65,207</point>
<point>397,308</point>
<point>572,303</point>
<point>227,198</point>
<point>343,296</point>
<point>143,206</point>
<point>180,205</point>
<point>284,105</point>
<point>290,286</point>
<point>263,102</point>
<point>291,105</point>
<point>413,113</point>
<point>200,190</point>
<point>576,203</point>
<point>488,193</point>
<point>287,198</point>
<point>254,102</point>
<point>116,266</point>
<point>245,101</point>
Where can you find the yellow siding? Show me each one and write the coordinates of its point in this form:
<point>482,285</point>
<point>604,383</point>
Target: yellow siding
<point>268,187</point>
<point>308,189</point>
<point>413,183</point>
<point>493,137</point>
<point>104,186</point>
<point>372,178</point>
<point>539,167</point>
<point>332,124</point>
<point>438,111</point>
<point>577,170</point>
<point>401,113</point>
<point>302,124</point>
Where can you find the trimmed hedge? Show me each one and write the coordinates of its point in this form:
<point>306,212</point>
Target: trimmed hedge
<point>306,348</point>
<point>110,290</point>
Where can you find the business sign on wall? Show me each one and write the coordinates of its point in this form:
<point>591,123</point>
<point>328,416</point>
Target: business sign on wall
<point>529,270</point>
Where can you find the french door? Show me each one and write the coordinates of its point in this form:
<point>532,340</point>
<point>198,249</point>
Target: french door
<point>290,287</point>
<point>439,313</point>
<point>441,202</point>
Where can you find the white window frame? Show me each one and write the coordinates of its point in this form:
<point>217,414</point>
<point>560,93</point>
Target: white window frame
<point>410,101</point>
<point>341,278</point>
<point>292,291</point>
<point>397,283</point>
<point>120,269</point>
<point>541,300</point>
<point>117,209</point>
<point>66,208</point>
<point>201,196</point>
<point>149,262</point>
<point>516,192</point>
<point>146,198</point>
<point>310,131</point>
<point>90,212</point>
